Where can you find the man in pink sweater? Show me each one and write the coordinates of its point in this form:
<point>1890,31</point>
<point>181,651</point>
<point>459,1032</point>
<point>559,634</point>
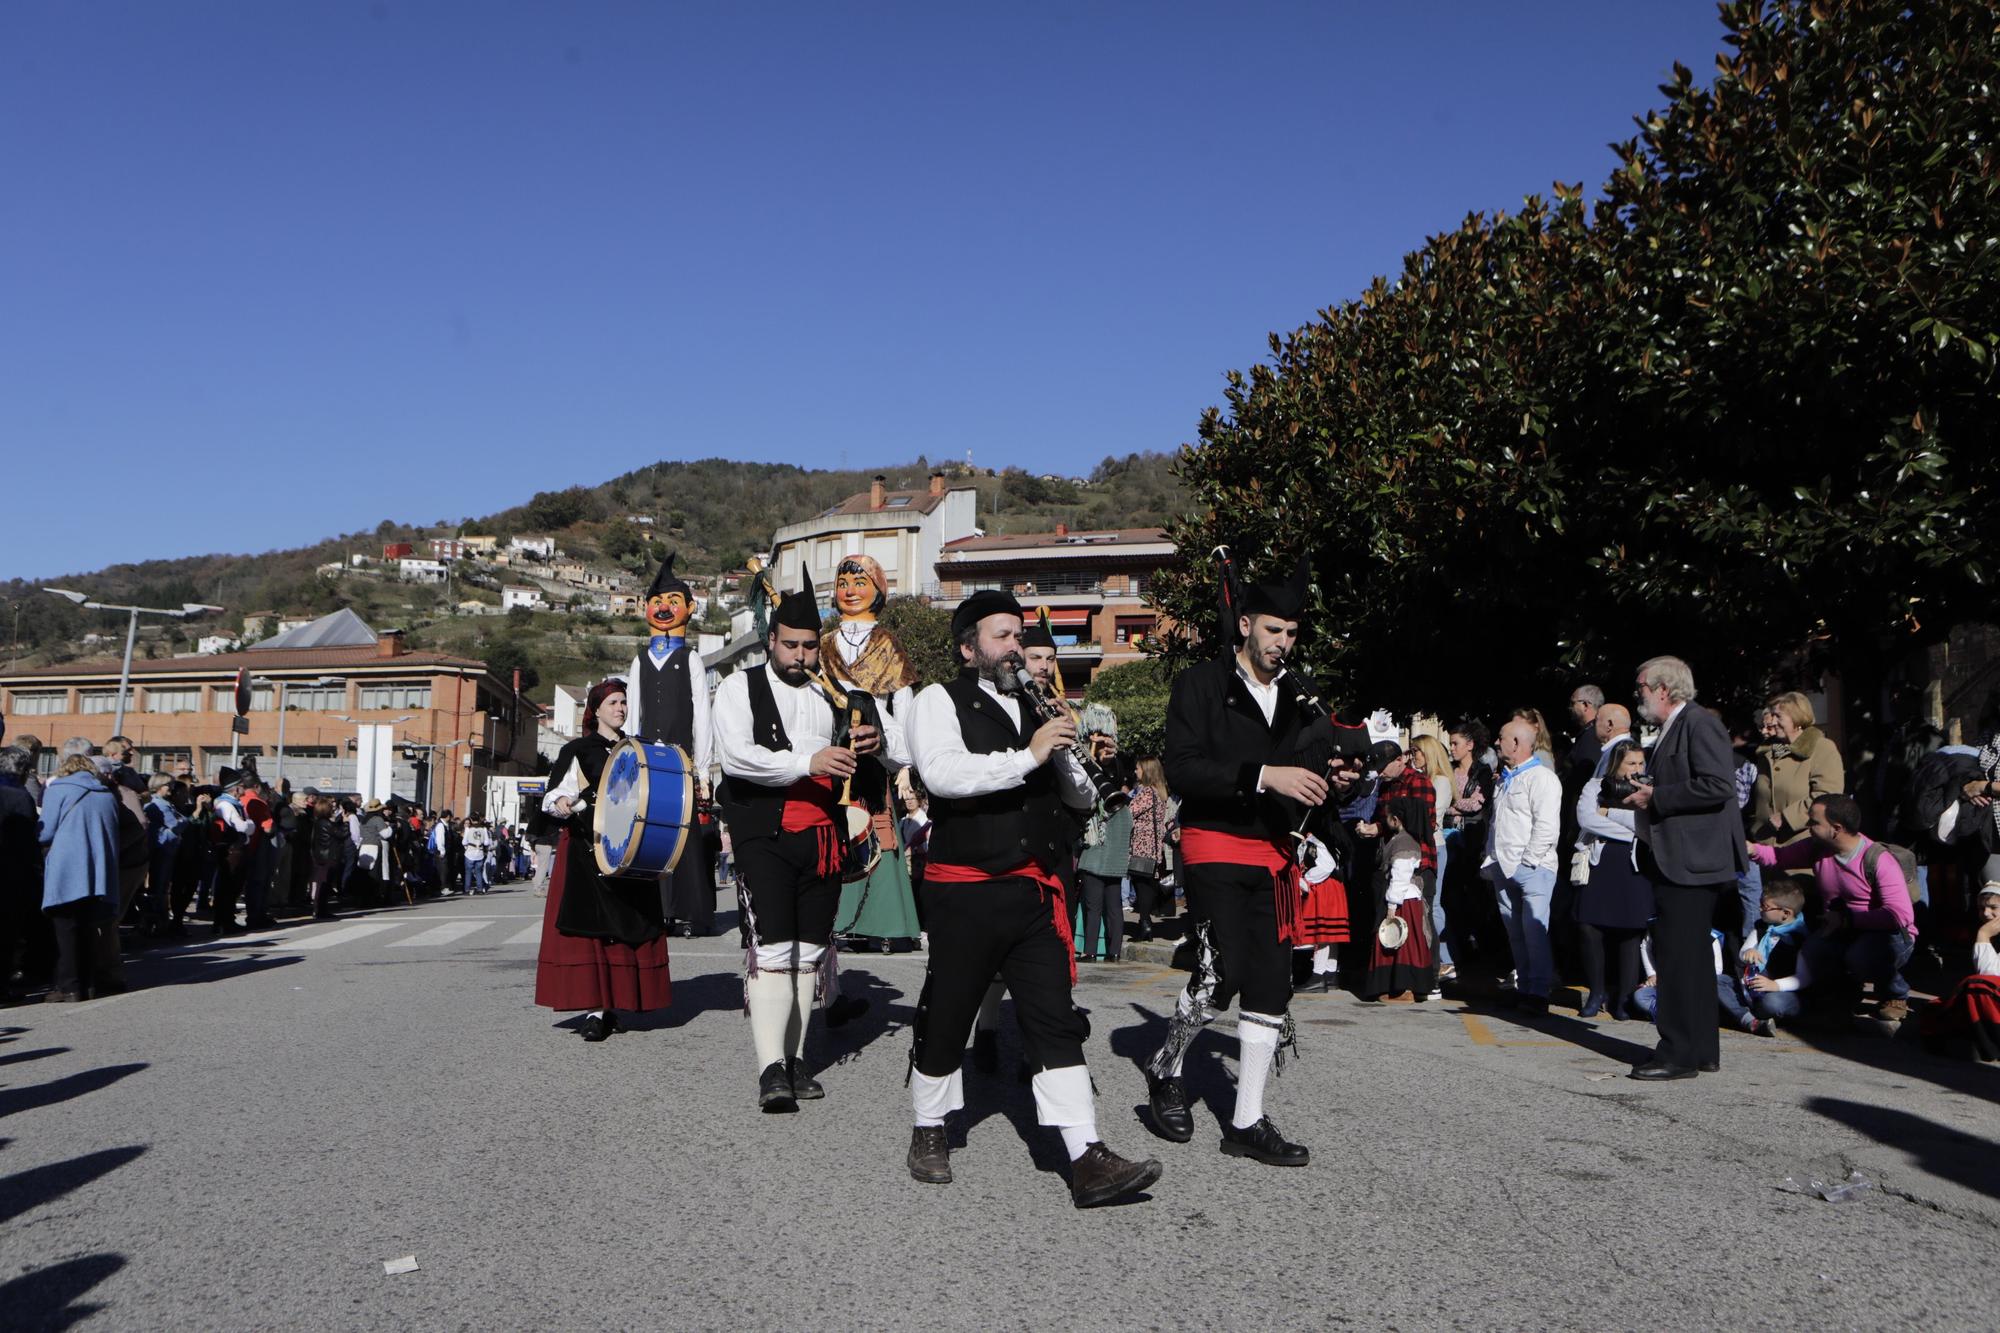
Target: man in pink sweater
<point>1868,928</point>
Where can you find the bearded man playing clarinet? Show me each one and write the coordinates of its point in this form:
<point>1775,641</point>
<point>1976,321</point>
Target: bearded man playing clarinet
<point>1234,735</point>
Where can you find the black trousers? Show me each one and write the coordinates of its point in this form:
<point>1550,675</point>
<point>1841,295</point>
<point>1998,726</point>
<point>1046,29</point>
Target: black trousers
<point>1005,926</point>
<point>1242,917</point>
<point>787,895</point>
<point>1685,962</point>
<point>1600,942</point>
<point>80,930</point>
<point>1103,909</point>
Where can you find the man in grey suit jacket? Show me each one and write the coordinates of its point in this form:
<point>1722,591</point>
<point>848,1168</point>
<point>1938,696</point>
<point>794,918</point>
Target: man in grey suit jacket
<point>1691,847</point>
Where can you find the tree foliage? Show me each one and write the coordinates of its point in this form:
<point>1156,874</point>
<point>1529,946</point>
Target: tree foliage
<point>1741,405</point>
<point>925,633</point>
<point>1137,692</point>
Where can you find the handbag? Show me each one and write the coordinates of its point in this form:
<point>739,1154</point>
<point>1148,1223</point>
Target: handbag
<point>1148,867</point>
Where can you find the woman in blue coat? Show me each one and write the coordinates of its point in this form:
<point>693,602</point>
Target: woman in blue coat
<point>80,875</point>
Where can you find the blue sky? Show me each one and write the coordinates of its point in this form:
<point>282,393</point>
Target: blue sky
<point>271,271</point>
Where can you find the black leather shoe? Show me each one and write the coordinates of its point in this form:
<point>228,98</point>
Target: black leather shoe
<point>1593,1005</point>
<point>1263,1142</point>
<point>1654,1071</point>
<point>774,1089</point>
<point>595,1028</point>
<point>929,1159</point>
<point>805,1087</point>
<point>1166,1099</point>
<point>1710,1066</point>
<point>1532,1004</point>
<point>1100,1175</point>
<point>611,1021</point>
<point>986,1051</point>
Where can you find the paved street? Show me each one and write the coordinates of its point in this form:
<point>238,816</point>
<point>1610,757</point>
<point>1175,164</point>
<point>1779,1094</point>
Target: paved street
<point>244,1139</point>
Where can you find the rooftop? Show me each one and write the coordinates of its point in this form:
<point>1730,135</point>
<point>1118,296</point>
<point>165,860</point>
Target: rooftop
<point>1061,540</point>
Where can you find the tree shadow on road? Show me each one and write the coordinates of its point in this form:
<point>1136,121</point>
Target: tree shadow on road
<point>43,1184</point>
<point>14,1100</point>
<point>47,1298</point>
<point>198,967</point>
<point>1893,1052</point>
<point>1592,1037</point>
<point>22,1057</point>
<point>1942,1151</point>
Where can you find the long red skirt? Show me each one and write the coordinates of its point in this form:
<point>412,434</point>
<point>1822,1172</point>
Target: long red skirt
<point>577,972</point>
<point>1973,1010</point>
<point>1408,968</point>
<point>1323,914</point>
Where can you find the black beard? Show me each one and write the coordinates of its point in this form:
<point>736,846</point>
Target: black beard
<point>793,675</point>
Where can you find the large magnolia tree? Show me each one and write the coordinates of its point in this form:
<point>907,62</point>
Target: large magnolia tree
<point>1740,407</point>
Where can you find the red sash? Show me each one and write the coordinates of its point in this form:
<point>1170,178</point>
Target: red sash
<point>1207,846</point>
<point>937,873</point>
<point>809,807</point>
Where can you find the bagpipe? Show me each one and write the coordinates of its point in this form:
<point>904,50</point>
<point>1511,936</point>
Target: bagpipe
<point>861,843</point>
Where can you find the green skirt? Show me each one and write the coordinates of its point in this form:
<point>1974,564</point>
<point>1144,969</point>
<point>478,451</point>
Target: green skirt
<point>883,906</point>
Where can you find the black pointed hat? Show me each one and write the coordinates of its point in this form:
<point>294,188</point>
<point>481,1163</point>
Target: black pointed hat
<point>1286,600</point>
<point>1036,633</point>
<point>799,610</point>
<point>667,581</point>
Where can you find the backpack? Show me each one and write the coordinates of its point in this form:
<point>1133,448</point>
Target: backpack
<point>1905,859</point>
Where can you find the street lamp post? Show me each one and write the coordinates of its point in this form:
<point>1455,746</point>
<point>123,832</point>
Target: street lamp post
<point>131,635</point>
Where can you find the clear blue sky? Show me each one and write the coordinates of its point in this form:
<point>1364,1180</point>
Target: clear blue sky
<point>271,271</point>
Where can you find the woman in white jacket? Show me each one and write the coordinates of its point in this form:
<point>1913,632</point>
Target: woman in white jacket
<point>478,849</point>
<point>1614,907</point>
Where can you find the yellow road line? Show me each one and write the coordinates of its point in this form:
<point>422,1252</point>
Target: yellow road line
<point>1476,1029</point>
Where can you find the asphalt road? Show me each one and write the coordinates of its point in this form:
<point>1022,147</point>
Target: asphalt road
<point>243,1140</point>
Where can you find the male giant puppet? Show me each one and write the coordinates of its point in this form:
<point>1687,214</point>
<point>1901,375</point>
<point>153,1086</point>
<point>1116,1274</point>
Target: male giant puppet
<point>669,704</point>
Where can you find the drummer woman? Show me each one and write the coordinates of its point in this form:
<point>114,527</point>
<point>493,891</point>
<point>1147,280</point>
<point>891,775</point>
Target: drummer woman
<point>604,945</point>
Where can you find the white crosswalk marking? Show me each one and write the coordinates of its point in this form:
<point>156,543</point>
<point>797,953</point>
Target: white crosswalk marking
<point>532,935</point>
<point>345,935</point>
<point>449,932</point>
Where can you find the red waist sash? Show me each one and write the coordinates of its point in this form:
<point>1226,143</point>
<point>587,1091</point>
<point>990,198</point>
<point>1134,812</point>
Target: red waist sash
<point>935,873</point>
<point>809,807</point>
<point>1207,846</point>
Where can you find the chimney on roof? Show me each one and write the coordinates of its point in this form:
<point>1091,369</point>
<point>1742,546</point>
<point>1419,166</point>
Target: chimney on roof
<point>875,493</point>
<point>937,483</point>
<point>1062,529</point>
<point>389,643</point>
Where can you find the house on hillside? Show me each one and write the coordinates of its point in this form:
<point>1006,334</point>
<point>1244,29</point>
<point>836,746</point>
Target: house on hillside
<point>541,548</point>
<point>448,548</point>
<point>421,571</point>
<point>905,532</point>
<point>397,550</point>
<point>520,594</point>
<point>480,547</point>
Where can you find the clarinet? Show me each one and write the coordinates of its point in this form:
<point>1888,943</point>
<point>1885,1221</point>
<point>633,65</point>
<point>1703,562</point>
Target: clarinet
<point>1109,792</point>
<point>1305,696</point>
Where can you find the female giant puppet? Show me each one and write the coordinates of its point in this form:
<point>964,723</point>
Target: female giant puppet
<point>859,652</point>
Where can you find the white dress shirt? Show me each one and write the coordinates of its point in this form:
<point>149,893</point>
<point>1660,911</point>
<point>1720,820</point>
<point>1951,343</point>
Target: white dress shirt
<point>807,718</point>
<point>948,769</point>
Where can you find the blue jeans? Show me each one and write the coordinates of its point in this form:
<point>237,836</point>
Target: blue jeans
<point>1727,999</point>
<point>1524,909</point>
<point>1437,900</point>
<point>1750,888</point>
<point>1775,1003</point>
<point>1861,955</point>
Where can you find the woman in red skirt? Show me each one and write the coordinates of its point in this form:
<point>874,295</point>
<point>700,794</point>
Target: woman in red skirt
<point>1973,1010</point>
<point>1408,971</point>
<point>604,941</point>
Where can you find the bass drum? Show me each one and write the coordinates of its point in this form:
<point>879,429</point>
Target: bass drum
<point>643,818</point>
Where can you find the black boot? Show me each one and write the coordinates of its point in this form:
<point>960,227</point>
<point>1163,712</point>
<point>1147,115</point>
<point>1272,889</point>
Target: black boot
<point>594,1027</point>
<point>805,1087</point>
<point>774,1089</point>
<point>1100,1175</point>
<point>1263,1142</point>
<point>929,1159</point>
<point>1166,1098</point>
<point>986,1051</point>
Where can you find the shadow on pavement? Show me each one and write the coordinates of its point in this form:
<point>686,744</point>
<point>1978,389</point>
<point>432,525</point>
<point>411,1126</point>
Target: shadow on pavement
<point>1577,1031</point>
<point>1900,1054</point>
<point>1945,1152</point>
<point>693,997</point>
<point>22,1057</point>
<point>43,1184</point>
<point>196,968</point>
<point>13,1100</point>
<point>883,1017</point>
<point>47,1298</point>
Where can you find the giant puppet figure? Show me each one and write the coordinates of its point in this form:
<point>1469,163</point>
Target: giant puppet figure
<point>859,652</point>
<point>669,704</point>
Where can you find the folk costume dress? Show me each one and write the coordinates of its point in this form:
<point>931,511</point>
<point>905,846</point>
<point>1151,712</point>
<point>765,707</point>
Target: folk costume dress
<point>1973,1009</point>
<point>604,941</point>
<point>1406,887</point>
<point>667,698</point>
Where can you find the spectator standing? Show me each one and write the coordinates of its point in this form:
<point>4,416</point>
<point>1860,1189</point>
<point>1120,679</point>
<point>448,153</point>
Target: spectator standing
<point>1100,869</point>
<point>1465,838</point>
<point>79,827</point>
<point>1521,859</point>
<point>259,806</point>
<point>1152,814</point>
<point>134,851</point>
<point>1867,926</point>
<point>478,845</point>
<point>165,827</point>
<point>31,781</point>
<point>236,838</point>
<point>326,851</point>
<point>1690,836</point>
<point>1616,901</point>
<point>20,865</point>
<point>1429,757</point>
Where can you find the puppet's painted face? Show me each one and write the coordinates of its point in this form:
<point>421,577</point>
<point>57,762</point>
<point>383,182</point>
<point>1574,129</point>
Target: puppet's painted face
<point>854,594</point>
<point>668,612</point>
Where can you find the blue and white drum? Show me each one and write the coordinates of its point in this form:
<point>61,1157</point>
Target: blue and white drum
<point>644,810</point>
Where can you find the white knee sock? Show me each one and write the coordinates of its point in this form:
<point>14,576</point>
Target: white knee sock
<point>771,1014</point>
<point>1324,961</point>
<point>1064,1101</point>
<point>1258,1048</point>
<point>989,1008</point>
<point>931,1099</point>
<point>802,1010</point>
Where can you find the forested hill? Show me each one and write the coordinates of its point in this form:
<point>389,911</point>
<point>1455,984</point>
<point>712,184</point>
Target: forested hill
<point>712,512</point>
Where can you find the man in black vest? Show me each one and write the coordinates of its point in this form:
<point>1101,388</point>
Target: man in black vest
<point>993,901</point>
<point>1235,739</point>
<point>774,733</point>
<point>668,701</point>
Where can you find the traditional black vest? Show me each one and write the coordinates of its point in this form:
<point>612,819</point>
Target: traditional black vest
<point>666,702</point>
<point>999,830</point>
<point>751,809</point>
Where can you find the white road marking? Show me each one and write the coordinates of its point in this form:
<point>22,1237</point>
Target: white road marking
<point>439,935</point>
<point>344,935</point>
<point>532,935</point>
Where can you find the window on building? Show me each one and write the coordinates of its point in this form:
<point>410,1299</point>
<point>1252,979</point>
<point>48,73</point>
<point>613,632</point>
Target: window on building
<point>1134,629</point>
<point>315,698</point>
<point>311,752</point>
<point>155,759</point>
<point>215,758</point>
<point>178,699</point>
<point>97,701</point>
<point>396,694</point>
<point>37,703</point>
<point>224,700</point>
